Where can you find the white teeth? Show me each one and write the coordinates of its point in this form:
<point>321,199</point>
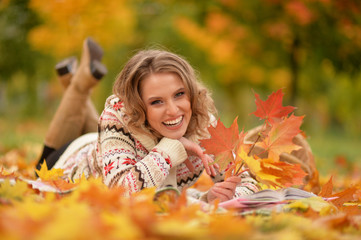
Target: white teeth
<point>174,122</point>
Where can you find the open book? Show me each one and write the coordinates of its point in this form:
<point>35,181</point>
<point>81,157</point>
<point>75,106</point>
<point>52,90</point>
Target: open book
<point>266,198</point>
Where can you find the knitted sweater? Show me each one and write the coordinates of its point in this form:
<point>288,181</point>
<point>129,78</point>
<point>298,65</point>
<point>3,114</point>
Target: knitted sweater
<point>133,161</point>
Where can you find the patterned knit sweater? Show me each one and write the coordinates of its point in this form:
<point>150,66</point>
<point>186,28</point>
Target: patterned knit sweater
<point>133,161</point>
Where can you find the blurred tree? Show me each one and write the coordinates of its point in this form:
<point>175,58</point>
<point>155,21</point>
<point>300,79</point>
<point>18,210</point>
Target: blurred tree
<point>16,20</point>
<point>276,34</point>
<point>67,23</point>
<point>273,43</point>
<point>308,47</point>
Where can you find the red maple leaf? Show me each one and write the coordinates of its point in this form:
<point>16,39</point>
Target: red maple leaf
<point>272,110</point>
<point>222,143</point>
<point>279,139</point>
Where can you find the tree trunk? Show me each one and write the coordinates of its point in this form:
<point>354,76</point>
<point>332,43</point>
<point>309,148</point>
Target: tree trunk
<point>294,65</point>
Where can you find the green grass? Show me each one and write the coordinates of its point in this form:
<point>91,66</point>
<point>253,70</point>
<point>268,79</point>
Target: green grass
<point>330,145</point>
<point>24,135</point>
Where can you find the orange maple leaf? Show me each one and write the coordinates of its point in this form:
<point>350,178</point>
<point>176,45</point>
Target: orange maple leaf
<point>94,192</point>
<point>326,190</point>
<point>272,110</point>
<point>272,173</point>
<point>279,139</point>
<point>344,196</point>
<point>222,143</point>
<point>62,185</point>
<point>287,174</point>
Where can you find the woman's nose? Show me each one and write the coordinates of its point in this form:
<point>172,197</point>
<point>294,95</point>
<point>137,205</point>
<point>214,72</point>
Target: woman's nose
<point>172,108</point>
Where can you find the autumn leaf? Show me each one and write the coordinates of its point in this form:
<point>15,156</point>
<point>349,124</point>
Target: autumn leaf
<point>254,166</point>
<point>46,175</point>
<point>5,174</point>
<point>317,204</point>
<point>91,189</point>
<point>203,183</point>
<point>326,190</point>
<point>10,191</point>
<point>272,110</point>
<point>272,173</point>
<point>235,168</point>
<point>344,196</point>
<point>279,139</point>
<point>222,143</point>
<point>287,174</point>
<point>53,178</point>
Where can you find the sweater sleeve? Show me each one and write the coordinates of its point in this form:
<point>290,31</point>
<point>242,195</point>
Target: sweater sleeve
<point>126,163</point>
<point>247,186</point>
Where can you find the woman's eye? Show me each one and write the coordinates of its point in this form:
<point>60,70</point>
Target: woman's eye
<point>155,102</point>
<point>180,94</point>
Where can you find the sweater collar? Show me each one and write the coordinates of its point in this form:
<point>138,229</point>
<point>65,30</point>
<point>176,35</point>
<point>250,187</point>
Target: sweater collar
<point>147,141</point>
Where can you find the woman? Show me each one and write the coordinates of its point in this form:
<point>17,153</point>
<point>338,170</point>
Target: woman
<point>149,131</point>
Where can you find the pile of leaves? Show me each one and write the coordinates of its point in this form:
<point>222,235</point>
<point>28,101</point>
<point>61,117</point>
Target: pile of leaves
<point>87,209</point>
<point>232,152</point>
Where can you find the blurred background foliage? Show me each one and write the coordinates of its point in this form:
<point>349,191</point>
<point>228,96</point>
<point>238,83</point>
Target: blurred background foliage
<point>310,48</point>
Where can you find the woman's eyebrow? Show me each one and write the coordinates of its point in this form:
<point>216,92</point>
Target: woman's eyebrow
<point>152,98</point>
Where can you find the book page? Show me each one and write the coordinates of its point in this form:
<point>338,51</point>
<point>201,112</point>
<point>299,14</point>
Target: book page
<point>267,194</point>
<point>295,193</point>
<point>266,198</point>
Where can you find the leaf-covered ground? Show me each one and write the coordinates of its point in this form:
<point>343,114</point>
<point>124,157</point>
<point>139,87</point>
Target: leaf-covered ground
<point>92,211</point>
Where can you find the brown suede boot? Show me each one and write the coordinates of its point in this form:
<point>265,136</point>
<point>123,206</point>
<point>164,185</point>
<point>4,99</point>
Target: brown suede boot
<point>69,119</point>
<point>65,71</point>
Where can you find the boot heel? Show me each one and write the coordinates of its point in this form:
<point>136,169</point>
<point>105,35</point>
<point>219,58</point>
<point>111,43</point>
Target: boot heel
<point>66,66</point>
<point>97,69</point>
<point>95,51</point>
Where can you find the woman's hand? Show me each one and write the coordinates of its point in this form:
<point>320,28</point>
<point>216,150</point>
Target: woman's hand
<point>194,149</point>
<point>223,190</point>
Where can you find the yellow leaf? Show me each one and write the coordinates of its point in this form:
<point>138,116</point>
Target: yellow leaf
<point>122,225</point>
<point>178,229</point>
<point>9,191</point>
<point>48,175</point>
<point>36,211</point>
<point>316,203</point>
<point>297,205</point>
<point>71,220</point>
<point>254,166</point>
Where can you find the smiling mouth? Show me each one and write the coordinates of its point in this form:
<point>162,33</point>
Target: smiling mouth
<point>174,122</point>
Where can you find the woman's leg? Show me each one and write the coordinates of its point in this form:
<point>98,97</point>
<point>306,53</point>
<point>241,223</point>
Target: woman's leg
<point>65,71</point>
<point>69,119</point>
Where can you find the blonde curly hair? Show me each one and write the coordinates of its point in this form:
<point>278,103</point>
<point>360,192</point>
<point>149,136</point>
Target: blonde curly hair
<point>146,62</point>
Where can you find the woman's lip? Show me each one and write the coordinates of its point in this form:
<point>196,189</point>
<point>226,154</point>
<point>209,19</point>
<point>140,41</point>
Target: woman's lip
<point>172,127</point>
<point>179,118</point>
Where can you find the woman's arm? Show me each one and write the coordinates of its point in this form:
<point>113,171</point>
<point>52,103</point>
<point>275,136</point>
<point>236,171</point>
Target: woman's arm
<point>127,163</point>
<point>194,149</point>
<point>235,186</point>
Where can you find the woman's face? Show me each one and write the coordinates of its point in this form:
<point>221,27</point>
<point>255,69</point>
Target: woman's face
<point>168,108</point>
